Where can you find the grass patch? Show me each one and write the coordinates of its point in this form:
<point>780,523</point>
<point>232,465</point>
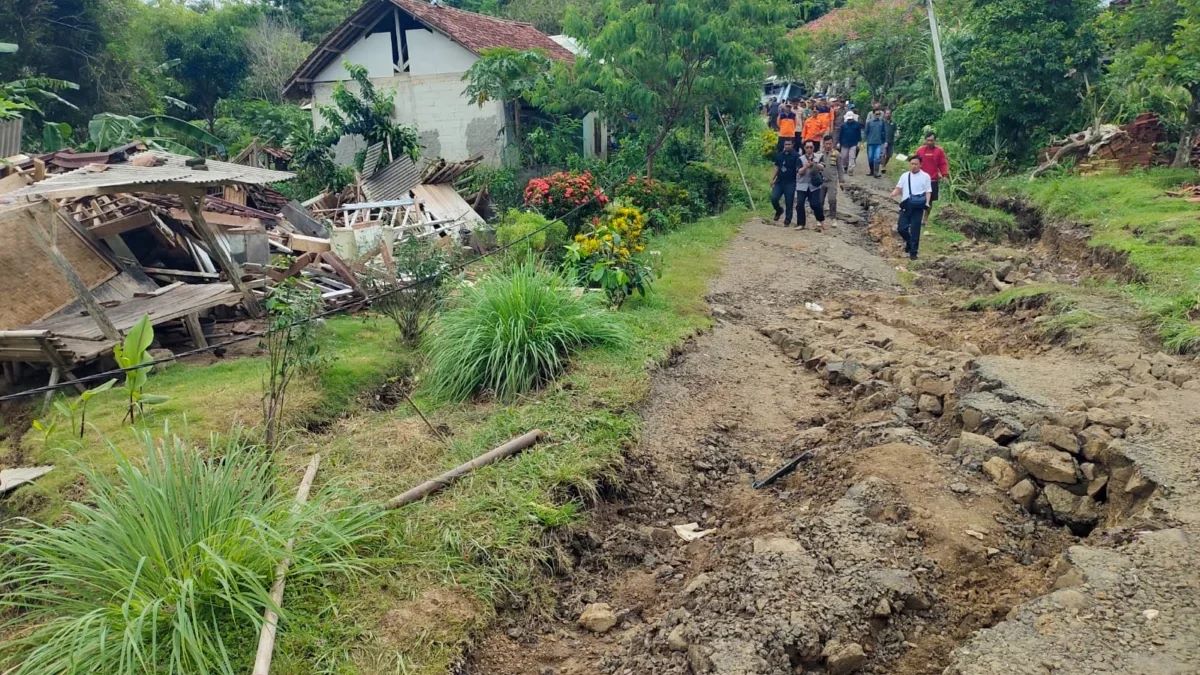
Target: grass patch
<point>361,353</point>
<point>1021,297</point>
<point>1132,214</point>
<point>167,568</point>
<point>444,566</point>
<point>975,221</point>
<point>486,542</point>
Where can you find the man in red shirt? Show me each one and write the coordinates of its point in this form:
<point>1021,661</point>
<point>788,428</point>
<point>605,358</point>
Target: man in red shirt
<point>933,162</point>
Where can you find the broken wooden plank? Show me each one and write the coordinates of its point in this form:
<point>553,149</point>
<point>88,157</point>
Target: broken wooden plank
<point>266,638</point>
<point>162,289</point>
<point>295,213</point>
<point>132,221</point>
<point>191,203</point>
<point>301,242</point>
<point>431,486</point>
<point>181,273</point>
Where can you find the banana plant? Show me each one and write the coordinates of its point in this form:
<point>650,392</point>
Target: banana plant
<point>162,132</point>
<point>76,409</point>
<point>134,354</point>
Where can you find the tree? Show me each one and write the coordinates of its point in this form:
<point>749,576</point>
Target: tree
<point>274,48</point>
<point>1025,62</point>
<point>369,115</point>
<point>1156,51</point>
<point>507,75</point>
<point>163,132</point>
<point>881,44</point>
<point>211,50</point>
<point>25,95</point>
<point>659,64</point>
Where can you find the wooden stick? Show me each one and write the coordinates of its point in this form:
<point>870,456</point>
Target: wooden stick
<point>431,486</point>
<point>266,639</point>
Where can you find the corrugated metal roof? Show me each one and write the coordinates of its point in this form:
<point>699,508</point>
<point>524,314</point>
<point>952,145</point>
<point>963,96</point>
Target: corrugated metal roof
<point>393,181</point>
<point>128,177</point>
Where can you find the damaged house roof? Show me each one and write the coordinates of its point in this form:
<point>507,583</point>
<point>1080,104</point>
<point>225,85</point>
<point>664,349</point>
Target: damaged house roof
<point>170,173</point>
<point>475,32</point>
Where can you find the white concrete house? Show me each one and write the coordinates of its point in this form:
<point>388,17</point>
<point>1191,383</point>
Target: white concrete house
<point>420,50</point>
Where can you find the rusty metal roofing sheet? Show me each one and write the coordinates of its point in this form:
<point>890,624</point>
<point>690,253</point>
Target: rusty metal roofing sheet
<point>172,173</point>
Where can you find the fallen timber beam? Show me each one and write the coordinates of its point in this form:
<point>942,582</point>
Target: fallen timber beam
<point>441,482</point>
<point>266,638</point>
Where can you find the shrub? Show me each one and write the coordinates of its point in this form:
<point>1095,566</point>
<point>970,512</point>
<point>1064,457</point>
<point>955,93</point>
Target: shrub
<point>612,255</point>
<point>411,296</point>
<point>572,196</point>
<point>665,205</point>
<point>514,331</point>
<point>709,184</point>
<point>767,143</point>
<point>166,567</point>
<point>519,224</point>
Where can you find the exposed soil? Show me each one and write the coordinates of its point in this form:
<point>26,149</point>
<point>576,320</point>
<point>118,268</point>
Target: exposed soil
<point>970,498</point>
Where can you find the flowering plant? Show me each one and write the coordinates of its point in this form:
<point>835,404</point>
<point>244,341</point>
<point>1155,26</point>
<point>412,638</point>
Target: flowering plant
<point>566,192</point>
<point>612,254</point>
<point>666,205</point>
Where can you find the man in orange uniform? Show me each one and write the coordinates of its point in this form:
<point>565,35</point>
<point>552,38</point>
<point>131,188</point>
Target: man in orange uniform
<point>787,125</point>
<point>818,125</point>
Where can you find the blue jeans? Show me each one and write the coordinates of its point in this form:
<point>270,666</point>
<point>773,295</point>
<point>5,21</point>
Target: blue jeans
<point>874,154</point>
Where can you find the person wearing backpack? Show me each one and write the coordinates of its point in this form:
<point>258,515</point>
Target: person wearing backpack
<point>914,188</point>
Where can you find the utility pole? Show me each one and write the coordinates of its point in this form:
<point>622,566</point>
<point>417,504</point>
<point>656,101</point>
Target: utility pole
<point>937,54</point>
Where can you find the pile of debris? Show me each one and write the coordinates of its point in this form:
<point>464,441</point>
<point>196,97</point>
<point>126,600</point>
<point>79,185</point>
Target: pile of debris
<point>1107,146</point>
<point>91,242</point>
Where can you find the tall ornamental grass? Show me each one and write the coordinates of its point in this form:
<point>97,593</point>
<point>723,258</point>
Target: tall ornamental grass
<point>514,331</point>
<point>167,567</point>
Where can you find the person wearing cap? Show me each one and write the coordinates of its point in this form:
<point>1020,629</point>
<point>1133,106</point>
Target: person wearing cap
<point>829,189</point>
<point>849,137</point>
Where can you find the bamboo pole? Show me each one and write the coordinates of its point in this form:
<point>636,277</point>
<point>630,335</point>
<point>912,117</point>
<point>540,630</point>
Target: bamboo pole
<point>736,160</point>
<point>266,639</point>
<point>431,486</point>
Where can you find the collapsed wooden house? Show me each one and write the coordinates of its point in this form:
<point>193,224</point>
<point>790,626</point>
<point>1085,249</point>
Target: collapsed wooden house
<point>91,242</point>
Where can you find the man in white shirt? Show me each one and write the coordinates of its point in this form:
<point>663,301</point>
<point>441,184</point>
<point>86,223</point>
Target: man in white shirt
<point>915,188</point>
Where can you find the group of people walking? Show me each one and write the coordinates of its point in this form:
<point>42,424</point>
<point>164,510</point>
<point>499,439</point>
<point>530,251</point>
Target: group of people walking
<point>818,146</point>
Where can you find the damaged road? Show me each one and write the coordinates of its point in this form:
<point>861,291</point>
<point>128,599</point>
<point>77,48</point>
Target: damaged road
<point>965,501</point>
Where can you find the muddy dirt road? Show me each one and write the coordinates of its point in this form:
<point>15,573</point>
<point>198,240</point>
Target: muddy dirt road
<point>969,499</point>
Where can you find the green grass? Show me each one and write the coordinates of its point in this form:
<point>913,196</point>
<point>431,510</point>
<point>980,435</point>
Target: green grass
<point>168,568</point>
<point>361,352</point>
<point>1131,214</point>
<point>445,565</point>
<point>974,221</point>
<point>513,331</point>
<point>486,542</point>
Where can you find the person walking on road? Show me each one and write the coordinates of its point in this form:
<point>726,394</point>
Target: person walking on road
<point>829,190</point>
<point>848,138</point>
<point>934,163</point>
<point>773,114</point>
<point>818,125</point>
<point>915,189</point>
<point>889,138</point>
<point>787,125</point>
<point>876,133</point>
<point>783,182</point>
<point>810,180</point>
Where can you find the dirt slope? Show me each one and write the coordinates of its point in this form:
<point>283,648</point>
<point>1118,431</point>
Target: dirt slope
<point>972,501</point>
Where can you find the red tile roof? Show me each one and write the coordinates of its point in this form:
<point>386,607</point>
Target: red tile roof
<point>475,32</point>
<point>839,20</point>
<point>478,32</point>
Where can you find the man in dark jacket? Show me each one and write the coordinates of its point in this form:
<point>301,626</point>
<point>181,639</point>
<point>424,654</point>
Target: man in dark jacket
<point>783,182</point>
<point>875,132</point>
<point>849,136</point>
<point>889,138</point>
